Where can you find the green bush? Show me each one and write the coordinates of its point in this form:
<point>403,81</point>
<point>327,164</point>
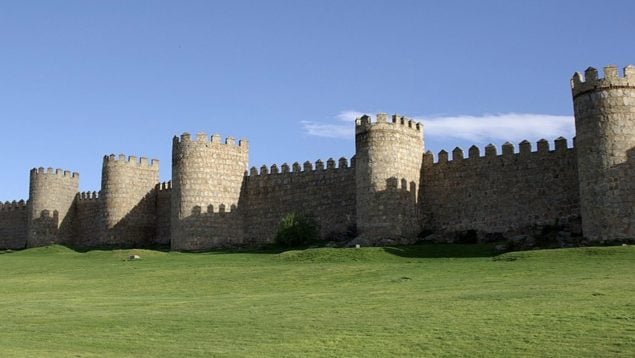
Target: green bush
<point>296,229</point>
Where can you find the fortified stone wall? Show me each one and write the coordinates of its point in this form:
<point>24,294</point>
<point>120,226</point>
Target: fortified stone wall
<point>51,210</point>
<point>206,175</point>
<point>89,225</point>
<point>390,190</point>
<point>13,217</point>
<point>129,203</point>
<point>499,193</point>
<point>605,126</point>
<point>326,192</point>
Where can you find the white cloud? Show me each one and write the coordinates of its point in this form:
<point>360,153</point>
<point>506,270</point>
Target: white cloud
<point>512,127</point>
<point>334,129</point>
<point>329,130</point>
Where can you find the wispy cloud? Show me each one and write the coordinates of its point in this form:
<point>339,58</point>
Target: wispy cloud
<point>478,129</point>
<point>499,127</point>
<point>341,126</point>
<point>329,130</point>
<point>349,116</point>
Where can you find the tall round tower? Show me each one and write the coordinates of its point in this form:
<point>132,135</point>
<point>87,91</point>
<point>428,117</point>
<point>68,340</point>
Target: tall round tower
<point>388,162</point>
<point>605,145</point>
<point>207,179</point>
<point>50,207</point>
<point>129,207</point>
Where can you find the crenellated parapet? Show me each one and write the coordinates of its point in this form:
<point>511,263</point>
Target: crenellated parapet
<point>58,173</point>
<point>13,205</point>
<point>395,122</point>
<point>507,150</point>
<point>131,161</point>
<point>306,168</point>
<point>590,81</point>
<point>87,196</point>
<point>165,186</point>
<point>214,209</point>
<point>202,138</point>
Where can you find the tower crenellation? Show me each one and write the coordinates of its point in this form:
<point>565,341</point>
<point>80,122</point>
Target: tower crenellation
<point>591,81</point>
<point>398,122</point>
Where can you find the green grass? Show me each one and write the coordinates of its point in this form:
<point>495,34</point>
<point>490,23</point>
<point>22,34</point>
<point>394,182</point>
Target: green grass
<point>430,300</point>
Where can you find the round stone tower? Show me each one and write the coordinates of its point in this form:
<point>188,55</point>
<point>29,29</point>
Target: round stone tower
<point>605,145</point>
<point>129,208</point>
<point>388,162</point>
<point>50,207</point>
<point>207,178</point>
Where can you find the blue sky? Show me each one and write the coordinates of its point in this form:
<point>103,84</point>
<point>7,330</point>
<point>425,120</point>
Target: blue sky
<point>81,79</point>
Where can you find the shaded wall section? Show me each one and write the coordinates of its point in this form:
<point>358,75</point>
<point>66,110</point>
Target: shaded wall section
<point>326,192</point>
<point>498,193</point>
<point>13,219</point>
<point>89,223</point>
<point>164,210</point>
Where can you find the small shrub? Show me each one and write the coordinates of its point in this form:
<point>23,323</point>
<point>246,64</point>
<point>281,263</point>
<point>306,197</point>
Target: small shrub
<point>297,229</point>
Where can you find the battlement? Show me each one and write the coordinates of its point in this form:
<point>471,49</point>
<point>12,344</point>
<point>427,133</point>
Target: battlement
<point>211,209</point>
<point>215,139</point>
<point>13,205</point>
<point>306,167</point>
<point>164,186</point>
<point>56,172</point>
<point>131,161</point>
<point>507,150</point>
<point>365,123</point>
<point>590,81</point>
<point>88,196</point>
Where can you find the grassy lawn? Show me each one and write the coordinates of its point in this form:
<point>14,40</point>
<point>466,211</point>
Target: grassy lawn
<point>403,301</point>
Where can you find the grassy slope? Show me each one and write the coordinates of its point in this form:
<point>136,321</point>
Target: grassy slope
<point>323,302</point>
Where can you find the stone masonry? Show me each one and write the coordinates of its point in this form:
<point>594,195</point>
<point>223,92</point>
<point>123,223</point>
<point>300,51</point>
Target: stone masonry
<point>390,188</point>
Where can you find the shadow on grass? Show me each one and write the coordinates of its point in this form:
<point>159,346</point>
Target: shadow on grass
<point>442,251</point>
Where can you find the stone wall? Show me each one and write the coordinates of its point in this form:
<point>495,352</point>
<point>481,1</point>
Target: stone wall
<point>325,191</point>
<point>499,193</point>
<point>605,127</point>
<point>50,211</point>
<point>128,199</point>
<point>88,220</point>
<point>13,218</point>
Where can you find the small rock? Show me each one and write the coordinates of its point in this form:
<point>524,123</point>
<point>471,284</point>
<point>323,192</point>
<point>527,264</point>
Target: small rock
<point>358,241</point>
